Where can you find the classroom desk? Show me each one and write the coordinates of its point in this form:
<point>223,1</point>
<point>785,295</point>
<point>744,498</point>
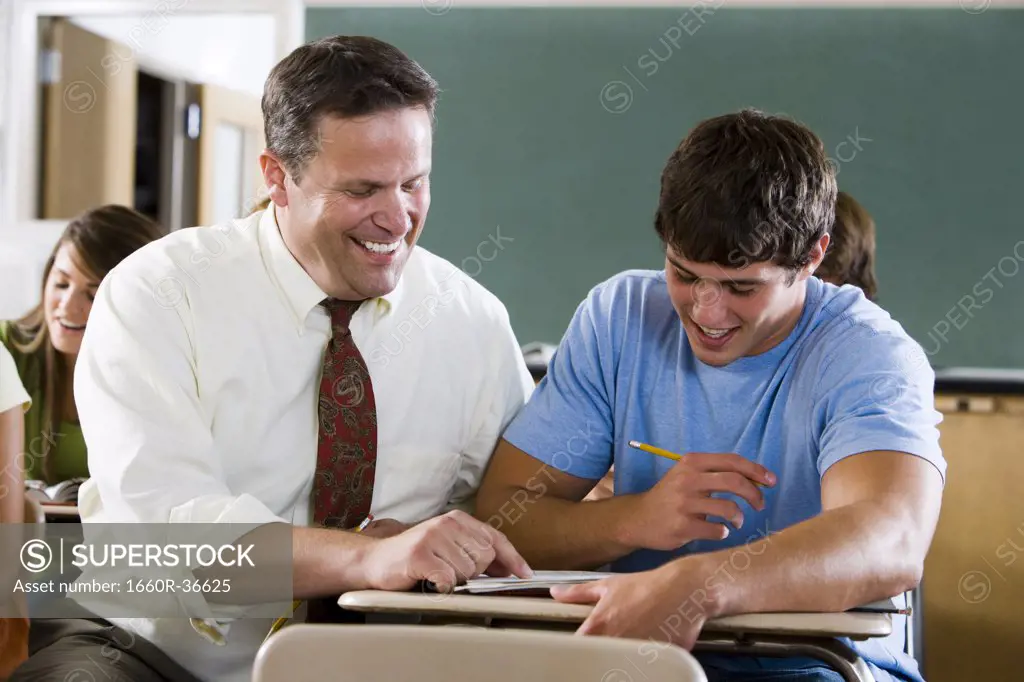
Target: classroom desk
<point>62,512</point>
<point>764,634</point>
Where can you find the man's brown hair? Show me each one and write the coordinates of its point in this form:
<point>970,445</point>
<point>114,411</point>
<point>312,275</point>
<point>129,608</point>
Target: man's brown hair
<point>344,76</point>
<point>744,188</point>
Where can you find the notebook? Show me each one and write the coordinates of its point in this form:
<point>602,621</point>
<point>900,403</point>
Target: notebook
<point>65,492</point>
<point>541,580</point>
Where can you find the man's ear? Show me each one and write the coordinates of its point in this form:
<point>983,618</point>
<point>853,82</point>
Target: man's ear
<point>274,175</point>
<point>818,254</point>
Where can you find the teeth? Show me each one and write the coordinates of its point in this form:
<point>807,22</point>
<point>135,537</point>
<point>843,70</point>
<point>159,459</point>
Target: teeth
<point>714,333</point>
<point>378,247</point>
<point>72,326</point>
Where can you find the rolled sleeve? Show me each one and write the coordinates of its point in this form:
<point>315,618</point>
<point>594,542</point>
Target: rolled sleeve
<point>880,397</point>
<point>567,423</point>
<point>151,452</point>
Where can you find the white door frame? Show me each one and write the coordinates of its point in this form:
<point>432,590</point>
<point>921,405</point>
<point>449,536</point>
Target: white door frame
<point>20,127</point>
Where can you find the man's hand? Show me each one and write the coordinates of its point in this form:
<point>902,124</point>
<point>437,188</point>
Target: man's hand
<point>445,550</point>
<point>665,604</point>
<point>384,528</point>
<point>674,512</point>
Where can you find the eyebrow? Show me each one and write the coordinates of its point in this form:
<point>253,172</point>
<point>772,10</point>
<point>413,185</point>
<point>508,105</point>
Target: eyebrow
<point>740,282</point>
<point>91,283</point>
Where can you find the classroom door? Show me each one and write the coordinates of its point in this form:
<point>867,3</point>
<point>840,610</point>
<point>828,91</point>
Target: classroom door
<point>89,119</point>
<point>230,142</point>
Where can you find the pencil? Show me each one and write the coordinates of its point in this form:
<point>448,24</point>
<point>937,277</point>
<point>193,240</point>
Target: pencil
<point>665,453</point>
<point>365,523</point>
<point>279,623</point>
<point>654,451</point>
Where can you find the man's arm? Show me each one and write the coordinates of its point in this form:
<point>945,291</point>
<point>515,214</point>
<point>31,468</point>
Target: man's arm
<point>12,476</point>
<point>539,507</point>
<point>879,514</point>
<point>504,387</point>
<point>152,453</point>
<point>13,403</point>
<point>446,550</point>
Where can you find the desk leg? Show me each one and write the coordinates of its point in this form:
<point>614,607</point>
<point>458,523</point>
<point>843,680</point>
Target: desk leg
<point>839,656</point>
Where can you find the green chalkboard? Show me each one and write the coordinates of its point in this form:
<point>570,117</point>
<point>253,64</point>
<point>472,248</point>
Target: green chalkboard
<point>554,124</point>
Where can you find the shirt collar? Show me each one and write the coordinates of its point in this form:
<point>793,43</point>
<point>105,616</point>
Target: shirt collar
<point>299,289</point>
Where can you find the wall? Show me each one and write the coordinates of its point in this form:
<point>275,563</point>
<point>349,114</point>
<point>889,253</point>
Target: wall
<point>554,125</point>
<point>232,50</point>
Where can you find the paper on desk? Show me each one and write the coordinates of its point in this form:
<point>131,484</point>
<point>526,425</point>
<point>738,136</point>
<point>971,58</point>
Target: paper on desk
<point>540,580</point>
<point>883,606</point>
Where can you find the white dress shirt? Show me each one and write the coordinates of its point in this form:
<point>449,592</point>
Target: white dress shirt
<point>197,388</point>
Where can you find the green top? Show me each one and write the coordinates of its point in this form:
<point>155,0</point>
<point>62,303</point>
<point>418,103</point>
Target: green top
<point>67,445</point>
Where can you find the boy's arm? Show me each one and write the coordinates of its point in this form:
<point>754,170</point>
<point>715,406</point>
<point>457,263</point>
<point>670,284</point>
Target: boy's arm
<point>869,543</point>
<point>539,508</point>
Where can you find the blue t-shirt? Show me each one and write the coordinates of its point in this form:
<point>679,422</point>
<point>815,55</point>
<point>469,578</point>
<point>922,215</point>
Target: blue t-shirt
<point>846,380</point>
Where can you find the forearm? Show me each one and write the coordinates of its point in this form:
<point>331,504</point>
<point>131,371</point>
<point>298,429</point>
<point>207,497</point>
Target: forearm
<point>557,534</point>
<point>843,558</point>
<point>12,497</point>
<point>328,562</point>
<point>12,477</point>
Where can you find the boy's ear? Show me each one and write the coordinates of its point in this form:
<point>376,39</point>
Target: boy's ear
<point>818,254</point>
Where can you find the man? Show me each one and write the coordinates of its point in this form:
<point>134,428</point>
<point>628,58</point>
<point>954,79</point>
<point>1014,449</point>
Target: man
<point>199,383</point>
<point>811,474</point>
<point>850,258</point>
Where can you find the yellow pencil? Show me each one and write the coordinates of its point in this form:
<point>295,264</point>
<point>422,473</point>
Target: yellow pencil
<point>665,453</point>
<point>279,623</point>
<point>654,451</point>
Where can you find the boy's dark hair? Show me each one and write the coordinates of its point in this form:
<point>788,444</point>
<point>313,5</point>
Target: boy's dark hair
<point>744,188</point>
<point>850,258</point>
<point>346,76</point>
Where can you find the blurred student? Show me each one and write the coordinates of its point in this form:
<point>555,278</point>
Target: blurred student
<point>14,400</point>
<point>850,258</point>
<point>307,365</point>
<point>45,342</point>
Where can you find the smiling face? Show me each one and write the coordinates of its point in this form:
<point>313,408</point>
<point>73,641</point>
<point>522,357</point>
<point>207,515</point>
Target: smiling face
<point>67,300</point>
<point>360,205</point>
<point>729,313</point>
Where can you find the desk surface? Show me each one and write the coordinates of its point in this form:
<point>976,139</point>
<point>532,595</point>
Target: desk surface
<point>853,625</point>
<point>59,509</point>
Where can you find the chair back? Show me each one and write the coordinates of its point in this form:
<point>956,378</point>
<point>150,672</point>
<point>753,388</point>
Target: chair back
<point>400,653</point>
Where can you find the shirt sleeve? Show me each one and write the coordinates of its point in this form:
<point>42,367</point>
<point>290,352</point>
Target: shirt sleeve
<point>877,393</point>
<point>567,423</point>
<point>151,453</point>
<point>508,388</point>
<point>12,391</point>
